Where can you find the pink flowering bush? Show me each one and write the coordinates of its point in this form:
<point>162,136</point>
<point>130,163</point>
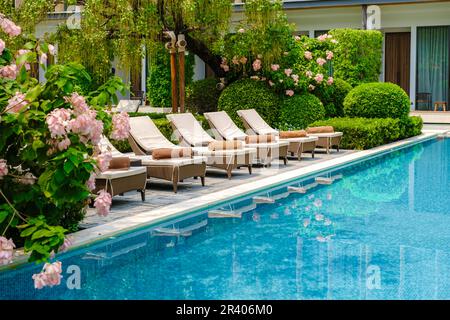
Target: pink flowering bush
<point>49,154</point>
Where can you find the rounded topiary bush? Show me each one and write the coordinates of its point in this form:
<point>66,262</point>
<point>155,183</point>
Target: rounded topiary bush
<point>250,94</point>
<point>203,96</point>
<point>333,97</point>
<point>298,111</point>
<point>377,100</point>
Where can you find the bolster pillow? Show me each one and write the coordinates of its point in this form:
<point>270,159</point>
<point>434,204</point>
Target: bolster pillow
<point>293,134</point>
<point>225,145</point>
<point>324,129</point>
<point>260,138</point>
<point>168,153</point>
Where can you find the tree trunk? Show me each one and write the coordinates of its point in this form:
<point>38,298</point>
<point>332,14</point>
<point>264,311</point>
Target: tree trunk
<point>203,52</point>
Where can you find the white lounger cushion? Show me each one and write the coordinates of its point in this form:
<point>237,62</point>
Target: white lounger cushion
<point>189,129</point>
<point>204,151</point>
<point>277,144</point>
<point>256,122</point>
<point>225,126</point>
<point>121,173</point>
<point>301,139</point>
<point>176,162</point>
<point>326,135</point>
<point>146,134</point>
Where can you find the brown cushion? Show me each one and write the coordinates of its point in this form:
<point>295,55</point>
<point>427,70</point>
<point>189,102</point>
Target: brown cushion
<point>293,134</point>
<point>260,139</point>
<point>167,153</point>
<point>324,129</point>
<point>119,163</point>
<point>225,145</point>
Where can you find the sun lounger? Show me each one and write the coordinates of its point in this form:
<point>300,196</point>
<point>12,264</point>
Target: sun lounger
<point>224,128</point>
<point>190,133</point>
<point>128,105</point>
<point>174,170</point>
<point>253,122</point>
<point>118,181</point>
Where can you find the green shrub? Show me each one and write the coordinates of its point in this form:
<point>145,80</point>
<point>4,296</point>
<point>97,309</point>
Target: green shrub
<point>249,94</point>
<point>377,100</point>
<point>203,96</point>
<point>358,55</point>
<point>364,133</point>
<point>159,87</point>
<point>333,97</point>
<point>412,126</point>
<point>298,111</point>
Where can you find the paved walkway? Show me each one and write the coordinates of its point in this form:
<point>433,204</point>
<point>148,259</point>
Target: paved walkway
<point>159,193</point>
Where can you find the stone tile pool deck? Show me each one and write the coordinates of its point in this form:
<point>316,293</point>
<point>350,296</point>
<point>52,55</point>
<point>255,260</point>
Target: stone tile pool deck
<point>159,193</point>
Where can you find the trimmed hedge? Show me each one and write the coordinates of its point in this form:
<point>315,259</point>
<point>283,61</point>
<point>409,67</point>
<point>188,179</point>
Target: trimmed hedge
<point>358,55</point>
<point>163,125</point>
<point>249,94</point>
<point>203,96</point>
<point>363,133</point>
<point>333,97</point>
<point>377,100</point>
<point>298,111</point>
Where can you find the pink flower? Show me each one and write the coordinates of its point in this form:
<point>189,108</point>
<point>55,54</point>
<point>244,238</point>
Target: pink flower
<point>57,121</point>
<point>318,78</point>
<point>27,179</point>
<point>6,250</point>
<point>241,30</point>
<point>2,46</point>
<point>66,245</point>
<point>275,67</point>
<point>271,83</point>
<point>225,67</point>
<point>334,41</point>
<point>295,77</point>
<point>322,37</point>
<point>243,60</point>
<point>64,144</point>
<point>309,74</point>
<point>288,72</point>
<point>297,38</point>
<point>103,160</point>
<point>78,103</point>
<point>289,93</point>
<point>9,27</point>
<point>235,60</point>
<point>330,81</point>
<point>49,276</point>
<point>308,55</point>
<point>256,65</point>
<point>121,126</point>
<point>103,203</point>
<point>87,127</point>
<point>321,61</point>
<point>16,103</point>
<point>51,49</point>
<point>90,184</point>
<point>43,58</point>
<point>329,55</point>
<point>9,72</point>
<point>3,168</point>
<point>311,87</point>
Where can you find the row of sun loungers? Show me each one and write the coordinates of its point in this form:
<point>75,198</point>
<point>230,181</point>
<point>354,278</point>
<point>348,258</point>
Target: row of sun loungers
<point>227,149</point>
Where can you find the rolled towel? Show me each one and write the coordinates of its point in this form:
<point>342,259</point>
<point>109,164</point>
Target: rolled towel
<point>168,153</point>
<point>225,145</point>
<point>119,163</point>
<point>293,134</point>
<point>324,129</point>
<point>263,138</point>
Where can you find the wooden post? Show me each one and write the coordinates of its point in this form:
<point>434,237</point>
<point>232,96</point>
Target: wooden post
<point>181,44</point>
<point>171,46</point>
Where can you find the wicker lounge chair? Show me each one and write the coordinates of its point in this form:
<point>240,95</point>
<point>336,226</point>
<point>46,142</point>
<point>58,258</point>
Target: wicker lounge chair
<point>254,123</point>
<point>224,128</point>
<point>190,133</point>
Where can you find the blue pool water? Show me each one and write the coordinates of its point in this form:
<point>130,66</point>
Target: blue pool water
<point>381,230</point>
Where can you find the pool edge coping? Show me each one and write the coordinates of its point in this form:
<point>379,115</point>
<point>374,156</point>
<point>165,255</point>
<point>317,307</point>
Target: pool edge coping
<point>125,225</point>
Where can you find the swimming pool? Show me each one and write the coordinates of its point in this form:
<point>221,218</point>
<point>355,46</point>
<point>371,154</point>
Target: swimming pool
<point>380,230</point>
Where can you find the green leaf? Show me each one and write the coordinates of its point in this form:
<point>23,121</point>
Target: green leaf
<point>27,232</point>
<point>3,215</point>
<point>37,144</point>
<point>41,234</point>
<point>68,166</point>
